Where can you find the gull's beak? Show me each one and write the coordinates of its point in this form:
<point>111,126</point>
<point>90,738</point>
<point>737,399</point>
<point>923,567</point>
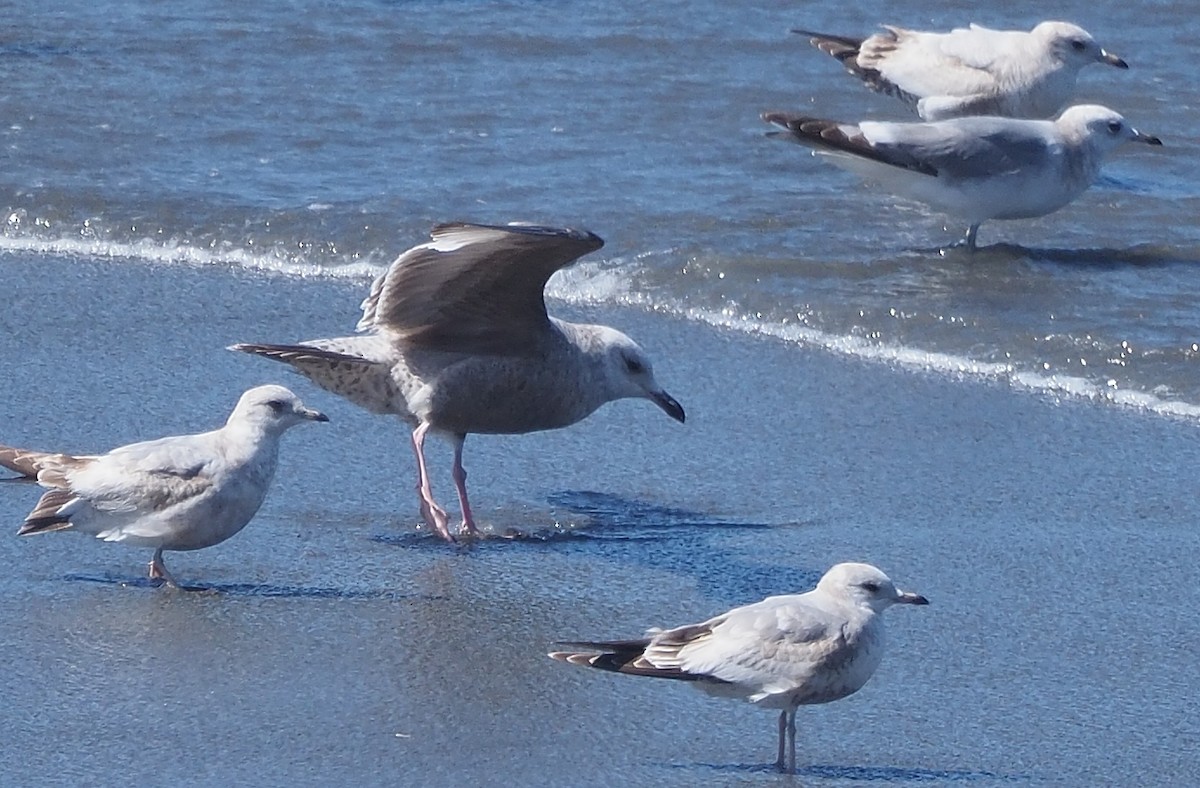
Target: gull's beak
<point>909,598</point>
<point>312,415</point>
<point>672,408</point>
<point>1112,60</point>
<point>1149,139</point>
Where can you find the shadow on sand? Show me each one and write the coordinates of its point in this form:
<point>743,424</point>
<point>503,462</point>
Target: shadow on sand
<point>876,774</point>
<point>709,549</point>
<point>264,590</point>
<point>1140,256</point>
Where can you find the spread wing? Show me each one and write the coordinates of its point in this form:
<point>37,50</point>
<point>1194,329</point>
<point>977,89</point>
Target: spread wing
<point>474,288</point>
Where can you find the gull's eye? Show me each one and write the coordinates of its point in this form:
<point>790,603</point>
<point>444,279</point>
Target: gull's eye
<point>1078,45</point>
<point>1114,126</point>
<point>634,366</point>
<point>276,405</point>
<point>871,587</point>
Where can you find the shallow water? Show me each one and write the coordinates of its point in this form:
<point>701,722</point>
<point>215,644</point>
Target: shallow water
<point>179,177</point>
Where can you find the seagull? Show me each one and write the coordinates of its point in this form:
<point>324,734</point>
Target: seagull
<point>974,168</point>
<point>972,70</point>
<point>781,653</point>
<point>183,492</point>
<point>456,339</point>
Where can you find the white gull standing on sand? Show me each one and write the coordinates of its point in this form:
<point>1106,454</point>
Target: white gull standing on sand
<point>781,653</point>
<point>972,70</point>
<point>183,492</point>
<point>457,340</point>
<point>975,168</point>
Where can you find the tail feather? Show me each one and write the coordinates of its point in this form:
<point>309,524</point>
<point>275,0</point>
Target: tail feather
<point>45,516</point>
<point>22,461</point>
<point>290,354</point>
<point>47,468</point>
<point>621,656</point>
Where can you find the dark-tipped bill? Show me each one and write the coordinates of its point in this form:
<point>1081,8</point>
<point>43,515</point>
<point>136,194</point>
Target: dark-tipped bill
<point>312,415</point>
<point>1149,139</point>
<point>909,598</point>
<point>672,408</point>
<point>1112,60</point>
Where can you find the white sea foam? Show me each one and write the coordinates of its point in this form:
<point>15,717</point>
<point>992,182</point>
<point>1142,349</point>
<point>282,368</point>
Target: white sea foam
<point>604,282</point>
<point>179,252</point>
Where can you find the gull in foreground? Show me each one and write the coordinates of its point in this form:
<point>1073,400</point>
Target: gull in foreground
<point>976,168</point>
<point>781,653</point>
<point>972,70</point>
<point>457,340</point>
<point>179,493</point>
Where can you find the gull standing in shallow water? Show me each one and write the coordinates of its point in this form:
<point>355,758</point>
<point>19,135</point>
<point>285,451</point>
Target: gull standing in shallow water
<point>976,168</point>
<point>974,70</point>
<point>781,653</point>
<point>457,340</point>
<point>179,493</point>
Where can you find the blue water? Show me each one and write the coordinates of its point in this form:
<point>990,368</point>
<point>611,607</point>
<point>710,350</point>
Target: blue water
<point>1011,433</point>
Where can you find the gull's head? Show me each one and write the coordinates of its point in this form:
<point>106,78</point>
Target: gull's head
<point>1103,127</point>
<point>273,409</point>
<point>1073,46</point>
<point>866,586</point>
<point>629,373</point>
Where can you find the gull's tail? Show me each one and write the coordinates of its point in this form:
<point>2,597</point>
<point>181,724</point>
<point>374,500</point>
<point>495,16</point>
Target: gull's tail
<point>48,468</point>
<point>48,515</point>
<point>22,461</point>
<point>619,656</point>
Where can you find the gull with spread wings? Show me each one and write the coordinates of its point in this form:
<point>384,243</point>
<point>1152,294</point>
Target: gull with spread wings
<point>456,339</point>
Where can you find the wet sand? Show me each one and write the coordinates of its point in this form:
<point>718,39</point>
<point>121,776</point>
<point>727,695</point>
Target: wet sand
<point>1054,540</point>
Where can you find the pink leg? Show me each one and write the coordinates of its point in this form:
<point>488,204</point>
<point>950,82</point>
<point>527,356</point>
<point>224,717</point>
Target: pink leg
<point>460,481</point>
<point>158,570</point>
<point>433,514</point>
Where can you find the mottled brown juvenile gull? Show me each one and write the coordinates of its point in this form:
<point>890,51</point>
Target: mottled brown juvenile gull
<point>975,168</point>
<point>972,70</point>
<point>183,492</point>
<point>781,653</point>
<point>457,340</point>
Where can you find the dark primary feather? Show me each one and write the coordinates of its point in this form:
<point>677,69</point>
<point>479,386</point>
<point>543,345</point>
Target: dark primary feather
<point>841,47</point>
<point>485,297</point>
<point>831,135</point>
<point>292,353</point>
<point>847,51</point>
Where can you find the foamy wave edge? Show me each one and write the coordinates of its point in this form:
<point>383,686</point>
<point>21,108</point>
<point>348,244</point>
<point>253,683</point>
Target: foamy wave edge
<point>608,282</point>
<point>596,286</point>
<point>176,252</point>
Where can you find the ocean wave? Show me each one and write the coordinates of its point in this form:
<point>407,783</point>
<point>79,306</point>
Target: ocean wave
<point>173,251</point>
<point>615,281</point>
<point>599,284</point>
